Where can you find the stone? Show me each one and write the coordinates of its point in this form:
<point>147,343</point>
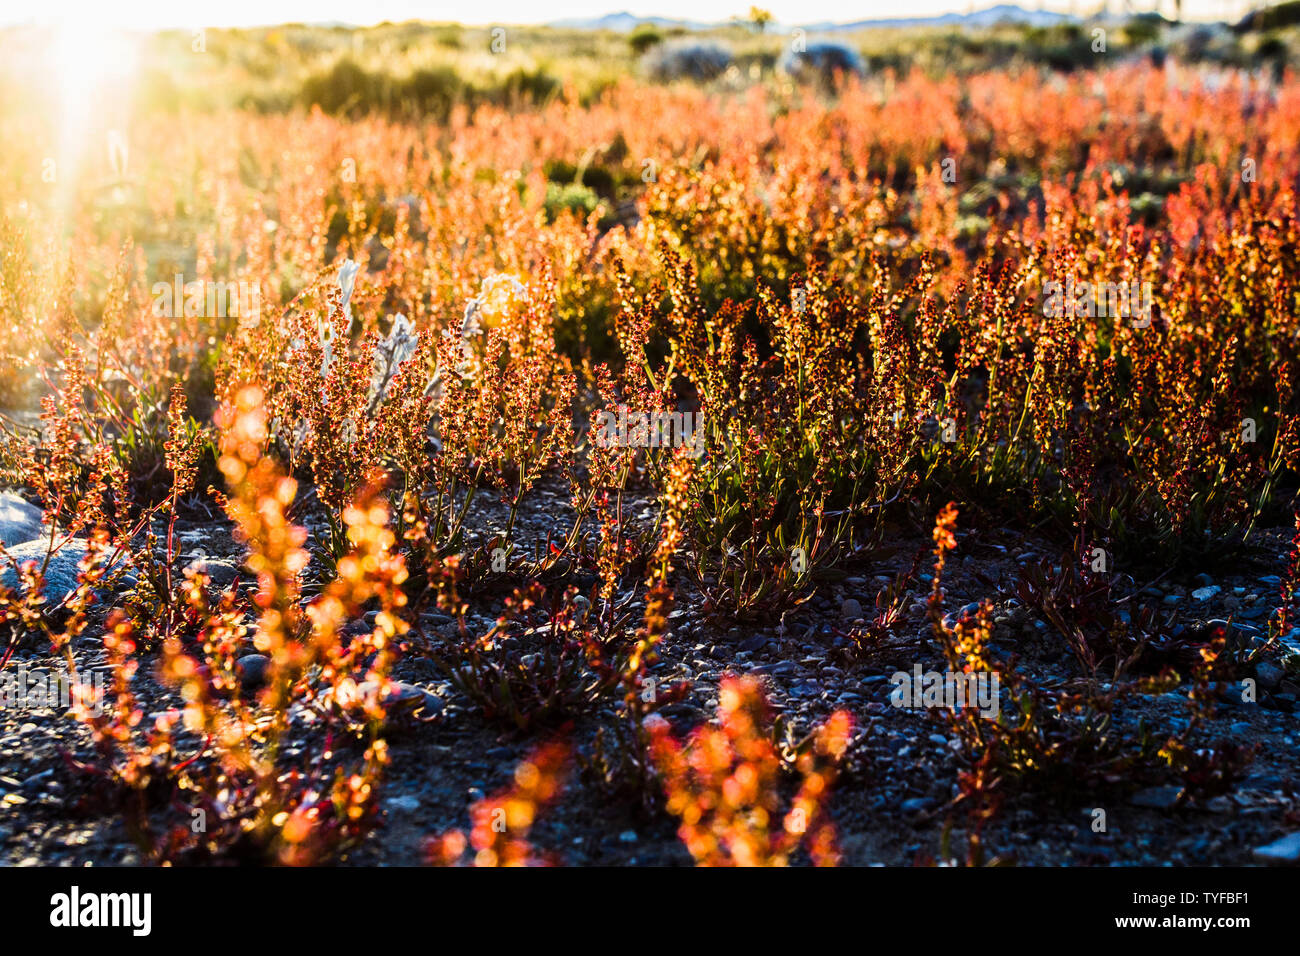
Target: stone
<point>1262,781</point>
<point>1283,852</point>
<point>62,570</point>
<point>1268,674</point>
<point>1204,594</point>
<point>221,573</point>
<point>406,698</point>
<point>252,670</point>
<point>37,781</point>
<point>1238,636</point>
<point>850,609</point>
<point>1157,798</point>
<point>403,804</point>
<point>20,520</point>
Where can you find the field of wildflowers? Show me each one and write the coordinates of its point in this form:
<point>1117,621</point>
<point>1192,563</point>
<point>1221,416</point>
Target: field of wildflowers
<point>571,477</point>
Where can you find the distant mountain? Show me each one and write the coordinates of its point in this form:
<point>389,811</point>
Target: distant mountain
<point>1002,13</point>
<point>625,22</point>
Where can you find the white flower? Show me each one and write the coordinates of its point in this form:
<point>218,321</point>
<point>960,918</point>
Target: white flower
<point>401,339</point>
<point>392,351</point>
<point>325,327</point>
<point>347,279</point>
<point>500,296</point>
<point>469,325</point>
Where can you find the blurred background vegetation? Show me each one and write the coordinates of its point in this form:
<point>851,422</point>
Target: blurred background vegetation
<point>422,70</point>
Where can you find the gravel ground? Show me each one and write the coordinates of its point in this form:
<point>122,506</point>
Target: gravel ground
<point>891,801</point>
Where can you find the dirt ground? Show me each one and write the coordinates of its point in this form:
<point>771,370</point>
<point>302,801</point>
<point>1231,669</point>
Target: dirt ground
<point>892,801</point>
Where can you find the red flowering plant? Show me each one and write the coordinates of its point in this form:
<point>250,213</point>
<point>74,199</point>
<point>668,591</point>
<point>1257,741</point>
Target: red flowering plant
<point>723,784</point>
<point>256,802</point>
<point>502,822</point>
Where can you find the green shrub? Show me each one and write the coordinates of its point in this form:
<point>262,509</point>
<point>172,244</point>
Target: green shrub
<point>643,38</point>
<point>344,88</point>
<point>433,92</point>
<point>573,196</point>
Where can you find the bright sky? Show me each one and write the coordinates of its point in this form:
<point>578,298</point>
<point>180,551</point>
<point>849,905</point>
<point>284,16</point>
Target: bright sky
<point>188,14</point>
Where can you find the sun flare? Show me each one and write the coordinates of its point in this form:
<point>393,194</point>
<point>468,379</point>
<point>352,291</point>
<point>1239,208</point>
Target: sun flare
<point>88,63</point>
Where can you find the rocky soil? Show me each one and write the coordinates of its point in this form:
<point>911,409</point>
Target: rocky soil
<point>892,801</point>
